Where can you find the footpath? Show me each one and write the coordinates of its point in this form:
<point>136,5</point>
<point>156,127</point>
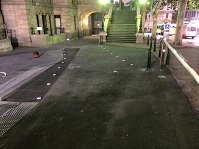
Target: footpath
<point>105,98</point>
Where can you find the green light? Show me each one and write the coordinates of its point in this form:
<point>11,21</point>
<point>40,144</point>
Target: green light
<point>142,1</point>
<point>103,2</point>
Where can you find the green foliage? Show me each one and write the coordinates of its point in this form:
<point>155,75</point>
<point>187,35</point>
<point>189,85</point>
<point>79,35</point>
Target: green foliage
<point>193,4</point>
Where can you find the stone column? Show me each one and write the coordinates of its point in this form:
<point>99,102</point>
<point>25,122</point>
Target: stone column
<point>52,24</point>
<point>48,23</point>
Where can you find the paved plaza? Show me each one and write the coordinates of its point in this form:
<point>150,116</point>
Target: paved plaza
<point>102,97</point>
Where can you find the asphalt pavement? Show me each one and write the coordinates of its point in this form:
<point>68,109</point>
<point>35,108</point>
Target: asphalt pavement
<point>103,97</point>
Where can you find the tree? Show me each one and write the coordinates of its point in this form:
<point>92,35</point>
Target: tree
<point>183,5</point>
<point>155,7</point>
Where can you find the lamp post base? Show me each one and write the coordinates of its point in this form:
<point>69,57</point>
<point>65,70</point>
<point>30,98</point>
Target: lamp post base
<point>139,38</point>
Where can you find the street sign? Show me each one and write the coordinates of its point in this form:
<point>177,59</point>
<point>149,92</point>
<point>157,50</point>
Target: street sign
<point>166,26</point>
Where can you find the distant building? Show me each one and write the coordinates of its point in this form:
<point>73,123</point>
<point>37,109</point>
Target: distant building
<point>192,16</point>
<point>165,15</point>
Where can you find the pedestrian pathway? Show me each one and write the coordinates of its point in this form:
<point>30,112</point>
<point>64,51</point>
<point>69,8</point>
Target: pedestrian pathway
<point>105,98</point>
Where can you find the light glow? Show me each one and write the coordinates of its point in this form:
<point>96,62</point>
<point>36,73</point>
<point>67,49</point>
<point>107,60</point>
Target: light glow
<point>142,1</point>
<point>103,2</point>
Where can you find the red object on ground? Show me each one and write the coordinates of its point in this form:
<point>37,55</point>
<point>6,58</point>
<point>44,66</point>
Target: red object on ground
<point>36,54</point>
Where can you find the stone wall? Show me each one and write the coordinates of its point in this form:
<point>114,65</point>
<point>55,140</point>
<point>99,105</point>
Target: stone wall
<point>68,11</point>
<point>5,45</point>
<point>45,40</point>
<point>15,17</point>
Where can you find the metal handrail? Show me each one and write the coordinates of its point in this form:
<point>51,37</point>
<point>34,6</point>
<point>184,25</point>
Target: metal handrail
<point>184,62</point>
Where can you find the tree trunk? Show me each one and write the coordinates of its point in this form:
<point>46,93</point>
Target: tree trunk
<point>143,16</point>
<point>155,13</point>
<point>182,5</point>
<point>155,9</point>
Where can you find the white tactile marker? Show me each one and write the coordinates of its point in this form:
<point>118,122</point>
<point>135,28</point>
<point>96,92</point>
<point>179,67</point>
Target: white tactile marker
<point>4,74</point>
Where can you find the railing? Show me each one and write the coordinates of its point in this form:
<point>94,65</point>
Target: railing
<point>165,50</point>
<point>194,73</point>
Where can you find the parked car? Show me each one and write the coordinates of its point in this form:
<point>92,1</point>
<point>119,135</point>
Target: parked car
<point>189,30</point>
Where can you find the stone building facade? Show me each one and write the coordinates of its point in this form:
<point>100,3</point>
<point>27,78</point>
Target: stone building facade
<point>39,23</point>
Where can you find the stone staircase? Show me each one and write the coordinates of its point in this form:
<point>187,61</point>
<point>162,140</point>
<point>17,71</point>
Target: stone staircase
<point>122,27</point>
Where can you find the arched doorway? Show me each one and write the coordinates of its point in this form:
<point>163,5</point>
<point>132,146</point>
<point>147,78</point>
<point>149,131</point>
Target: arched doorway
<point>90,23</point>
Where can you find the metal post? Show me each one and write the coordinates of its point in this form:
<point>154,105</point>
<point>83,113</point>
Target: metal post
<point>162,59</point>
<point>148,40</point>
<point>149,59</point>
<point>160,48</point>
<point>168,57</point>
<point>154,48</point>
<point>151,43</point>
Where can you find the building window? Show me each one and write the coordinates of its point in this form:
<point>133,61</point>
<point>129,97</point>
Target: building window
<point>167,15</point>
<point>58,24</point>
<point>37,18</point>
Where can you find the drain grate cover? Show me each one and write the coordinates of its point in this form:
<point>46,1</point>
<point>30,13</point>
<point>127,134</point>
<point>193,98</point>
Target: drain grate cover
<point>11,117</point>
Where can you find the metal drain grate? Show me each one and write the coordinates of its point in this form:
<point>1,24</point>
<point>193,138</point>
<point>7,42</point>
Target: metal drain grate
<point>11,117</point>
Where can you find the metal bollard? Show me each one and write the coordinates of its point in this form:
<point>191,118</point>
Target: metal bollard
<point>154,47</point>
<point>149,59</point>
<point>168,57</point>
<point>148,40</point>
<point>160,48</point>
<point>162,59</point>
<point>151,43</point>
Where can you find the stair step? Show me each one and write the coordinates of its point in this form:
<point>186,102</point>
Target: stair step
<point>122,27</point>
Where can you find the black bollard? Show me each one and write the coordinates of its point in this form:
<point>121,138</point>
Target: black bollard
<point>149,59</point>
<point>154,47</point>
<point>151,43</point>
<point>168,57</point>
<point>160,48</point>
<point>148,40</point>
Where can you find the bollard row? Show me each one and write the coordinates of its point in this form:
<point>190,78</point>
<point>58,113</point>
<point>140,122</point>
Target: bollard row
<point>163,53</point>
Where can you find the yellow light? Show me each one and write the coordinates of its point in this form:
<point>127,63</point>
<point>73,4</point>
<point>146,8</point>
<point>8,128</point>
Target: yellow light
<point>85,22</point>
<point>142,1</point>
<point>103,2</point>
